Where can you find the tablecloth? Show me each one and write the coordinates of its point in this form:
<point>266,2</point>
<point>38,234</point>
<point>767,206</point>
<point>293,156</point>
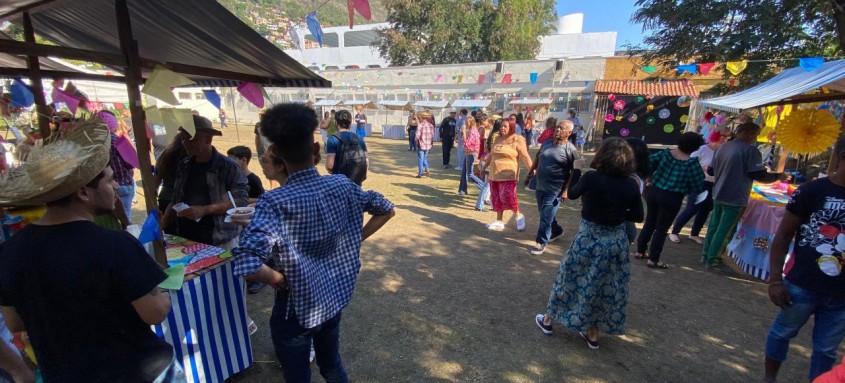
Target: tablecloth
<point>755,231</point>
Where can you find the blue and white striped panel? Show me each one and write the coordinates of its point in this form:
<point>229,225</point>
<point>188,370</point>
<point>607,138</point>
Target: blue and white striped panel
<point>207,326</point>
<point>750,269</point>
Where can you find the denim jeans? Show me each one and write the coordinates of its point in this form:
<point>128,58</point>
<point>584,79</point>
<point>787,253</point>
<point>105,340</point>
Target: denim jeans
<point>422,161</point>
<point>700,211</point>
<point>126,193</point>
<point>466,171</point>
<point>412,139</point>
<point>460,147</point>
<point>292,343</point>
<point>828,329</point>
<point>663,206</point>
<point>547,203</point>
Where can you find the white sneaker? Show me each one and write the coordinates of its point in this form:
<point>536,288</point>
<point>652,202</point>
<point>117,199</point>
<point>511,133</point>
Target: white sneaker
<point>538,249</point>
<point>496,226</point>
<point>458,168</point>
<point>312,355</point>
<point>520,222</point>
<point>674,238</point>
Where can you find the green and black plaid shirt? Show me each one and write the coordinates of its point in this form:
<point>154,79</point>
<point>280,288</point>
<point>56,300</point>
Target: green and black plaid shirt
<point>673,175</point>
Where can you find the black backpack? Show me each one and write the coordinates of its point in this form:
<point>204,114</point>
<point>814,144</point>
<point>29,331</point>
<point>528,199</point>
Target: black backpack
<point>350,160</point>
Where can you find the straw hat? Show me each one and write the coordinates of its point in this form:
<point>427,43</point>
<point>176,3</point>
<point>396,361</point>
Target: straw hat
<point>424,114</point>
<point>60,167</point>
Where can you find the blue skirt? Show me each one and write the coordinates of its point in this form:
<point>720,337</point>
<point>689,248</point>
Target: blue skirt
<point>591,287</point>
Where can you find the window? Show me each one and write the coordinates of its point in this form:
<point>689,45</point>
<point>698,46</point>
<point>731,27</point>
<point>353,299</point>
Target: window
<point>330,40</point>
<point>561,101</point>
<point>199,96</point>
<point>359,38</point>
<point>184,95</point>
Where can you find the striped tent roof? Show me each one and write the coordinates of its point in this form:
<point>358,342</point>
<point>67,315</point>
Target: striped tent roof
<point>646,87</point>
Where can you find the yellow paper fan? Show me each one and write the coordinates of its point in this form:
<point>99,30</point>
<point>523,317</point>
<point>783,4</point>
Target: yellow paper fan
<point>807,131</point>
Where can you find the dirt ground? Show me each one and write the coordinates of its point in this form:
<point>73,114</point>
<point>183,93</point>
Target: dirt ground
<point>441,299</point>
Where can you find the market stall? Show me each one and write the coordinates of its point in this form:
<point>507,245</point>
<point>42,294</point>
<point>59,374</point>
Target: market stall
<point>363,104</point>
<point>439,106</point>
<point>471,104</point>
<point>749,246</point>
<point>395,131</point>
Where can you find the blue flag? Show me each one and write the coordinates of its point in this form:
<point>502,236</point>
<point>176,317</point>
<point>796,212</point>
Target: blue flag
<point>212,97</point>
<point>533,77</point>
<point>810,63</point>
<point>21,94</point>
<point>150,231</point>
<point>691,68</point>
<point>314,26</point>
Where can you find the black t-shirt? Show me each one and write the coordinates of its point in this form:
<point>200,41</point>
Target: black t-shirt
<point>817,255</point>
<point>256,189</point>
<point>608,200</point>
<point>73,285</point>
<point>197,194</point>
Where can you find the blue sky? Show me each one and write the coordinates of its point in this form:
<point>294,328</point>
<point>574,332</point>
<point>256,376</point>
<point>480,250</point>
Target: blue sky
<point>606,16</point>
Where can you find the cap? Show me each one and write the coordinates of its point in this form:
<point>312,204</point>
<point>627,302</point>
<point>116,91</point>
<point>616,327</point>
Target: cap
<point>203,125</point>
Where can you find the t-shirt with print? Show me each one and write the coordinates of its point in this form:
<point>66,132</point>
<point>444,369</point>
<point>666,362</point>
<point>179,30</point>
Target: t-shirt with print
<point>817,255</point>
<point>731,165</point>
<point>73,285</point>
<point>555,166</point>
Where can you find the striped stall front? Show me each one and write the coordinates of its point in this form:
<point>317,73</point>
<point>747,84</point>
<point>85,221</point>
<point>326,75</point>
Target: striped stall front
<point>208,327</point>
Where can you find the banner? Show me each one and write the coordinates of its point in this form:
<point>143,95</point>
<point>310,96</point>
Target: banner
<point>658,120</point>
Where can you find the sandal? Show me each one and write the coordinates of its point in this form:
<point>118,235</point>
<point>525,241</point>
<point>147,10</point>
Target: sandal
<point>640,256</point>
<point>659,265</point>
<point>674,238</point>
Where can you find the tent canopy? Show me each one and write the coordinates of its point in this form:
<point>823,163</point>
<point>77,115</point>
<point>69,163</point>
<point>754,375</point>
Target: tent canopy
<point>471,103</point>
<point>366,104</point>
<point>432,104</point>
<point>396,105</point>
<point>787,87</point>
<point>327,103</point>
<point>185,36</point>
<point>531,102</point>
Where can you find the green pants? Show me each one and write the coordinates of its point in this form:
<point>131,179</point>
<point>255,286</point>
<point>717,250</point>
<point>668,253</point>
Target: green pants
<point>722,226</point>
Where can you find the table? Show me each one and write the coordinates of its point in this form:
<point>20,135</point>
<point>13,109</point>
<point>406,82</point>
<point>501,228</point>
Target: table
<point>394,132</point>
<point>749,246</point>
<point>207,325</point>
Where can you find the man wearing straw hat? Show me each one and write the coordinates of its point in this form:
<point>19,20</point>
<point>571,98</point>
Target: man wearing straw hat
<point>86,295</point>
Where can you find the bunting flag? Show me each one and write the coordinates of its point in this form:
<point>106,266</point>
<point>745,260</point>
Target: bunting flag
<point>650,69</point>
<point>438,79</point>
<point>267,96</point>
<point>691,68</point>
<point>161,83</point>
<point>506,79</point>
<point>492,79</point>
<point>212,97</point>
<point>178,118</point>
<point>736,67</point>
<point>533,77</point>
<point>21,94</point>
<point>460,79</point>
<point>705,68</point>
<point>70,100</point>
<point>119,106</point>
<point>150,231</point>
<point>294,36</point>
<point>314,27</point>
<point>481,79</point>
<point>810,63</point>
<point>363,8</point>
<point>252,92</point>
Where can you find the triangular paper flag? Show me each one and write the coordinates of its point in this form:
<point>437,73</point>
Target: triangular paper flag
<point>252,92</point>
<point>314,27</point>
<point>150,230</point>
<point>264,92</point>
<point>481,78</point>
<point>810,63</point>
<point>119,106</point>
<point>363,8</point>
<point>506,79</point>
<point>691,68</point>
<point>492,79</point>
<point>650,69</point>
<point>21,95</point>
<point>533,77</point>
<point>156,123</point>
<point>438,79</point>
<point>736,67</point>
<point>705,68</point>
<point>178,118</point>
<point>460,79</point>
<point>212,97</point>
<point>60,96</point>
<point>161,83</point>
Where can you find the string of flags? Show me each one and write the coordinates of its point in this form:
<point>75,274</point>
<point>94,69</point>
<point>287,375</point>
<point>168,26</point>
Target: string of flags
<point>733,67</point>
<point>162,81</point>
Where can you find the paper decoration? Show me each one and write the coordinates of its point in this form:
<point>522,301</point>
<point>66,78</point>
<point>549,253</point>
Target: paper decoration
<point>178,118</point>
<point>294,36</point>
<point>60,96</point>
<point>460,79</point>
<point>506,79</point>
<point>212,97</point>
<point>161,83</point>
<point>807,131</point>
<point>175,278</point>
<point>810,63</point>
<point>481,79</point>
<point>438,79</point>
<point>363,8</point>
<point>533,77</point>
<point>650,69</point>
<point>21,94</point>
<point>691,68</point>
<point>705,68</point>
<point>150,230</point>
<point>314,27</point>
<point>119,106</point>
<point>252,92</point>
<point>732,82</point>
<point>736,67</point>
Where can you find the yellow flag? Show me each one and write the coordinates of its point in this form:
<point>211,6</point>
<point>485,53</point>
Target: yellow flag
<point>178,118</point>
<point>161,83</point>
<point>460,79</point>
<point>736,67</point>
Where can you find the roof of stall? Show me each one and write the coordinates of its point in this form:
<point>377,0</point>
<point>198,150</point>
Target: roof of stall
<point>432,104</point>
<point>647,87</point>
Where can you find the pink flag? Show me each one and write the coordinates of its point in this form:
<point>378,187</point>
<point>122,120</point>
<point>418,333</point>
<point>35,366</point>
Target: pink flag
<point>59,95</point>
<point>363,8</point>
<point>506,79</point>
<point>481,78</point>
<point>252,92</point>
<point>705,68</point>
<point>439,79</point>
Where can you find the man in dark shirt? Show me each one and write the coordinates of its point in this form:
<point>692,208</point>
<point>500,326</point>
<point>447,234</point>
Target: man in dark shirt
<point>242,155</point>
<point>447,138</point>
<point>200,195</point>
<point>85,295</point>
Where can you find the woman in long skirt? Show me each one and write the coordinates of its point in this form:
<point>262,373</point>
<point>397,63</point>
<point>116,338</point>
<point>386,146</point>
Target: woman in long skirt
<point>590,291</point>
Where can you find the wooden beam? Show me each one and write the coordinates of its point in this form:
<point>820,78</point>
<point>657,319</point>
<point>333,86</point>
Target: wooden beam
<point>12,72</point>
<point>209,72</point>
<point>25,8</point>
<point>35,80</point>
<point>34,49</point>
<point>133,82</point>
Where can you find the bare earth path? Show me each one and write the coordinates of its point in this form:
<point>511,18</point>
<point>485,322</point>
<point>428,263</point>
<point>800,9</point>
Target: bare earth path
<point>441,299</point>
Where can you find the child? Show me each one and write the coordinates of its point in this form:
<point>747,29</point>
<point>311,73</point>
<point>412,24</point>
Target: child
<point>242,155</point>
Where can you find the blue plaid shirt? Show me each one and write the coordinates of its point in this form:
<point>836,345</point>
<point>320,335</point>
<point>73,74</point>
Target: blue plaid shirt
<point>312,228</point>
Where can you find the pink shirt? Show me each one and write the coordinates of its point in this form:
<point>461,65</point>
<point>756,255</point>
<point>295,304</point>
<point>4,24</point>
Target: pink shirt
<point>425,135</point>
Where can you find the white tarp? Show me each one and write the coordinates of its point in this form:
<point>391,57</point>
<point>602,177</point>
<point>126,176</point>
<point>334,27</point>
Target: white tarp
<point>396,105</point>
<point>432,104</point>
<point>532,102</point>
<point>471,104</point>
<point>327,103</point>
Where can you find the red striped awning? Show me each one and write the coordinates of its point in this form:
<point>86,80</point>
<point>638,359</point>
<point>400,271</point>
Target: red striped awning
<point>647,87</point>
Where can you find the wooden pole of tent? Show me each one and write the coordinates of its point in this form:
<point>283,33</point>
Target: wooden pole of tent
<point>35,79</point>
<point>232,97</point>
<point>132,72</point>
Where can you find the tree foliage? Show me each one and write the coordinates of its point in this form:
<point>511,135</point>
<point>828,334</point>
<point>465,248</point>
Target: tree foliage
<point>682,31</point>
<point>460,31</point>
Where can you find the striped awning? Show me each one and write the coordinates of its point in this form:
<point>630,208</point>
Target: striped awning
<point>786,85</point>
<point>653,88</point>
<point>432,104</point>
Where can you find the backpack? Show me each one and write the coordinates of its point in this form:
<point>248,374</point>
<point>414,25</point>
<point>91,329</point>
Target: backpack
<point>350,160</point>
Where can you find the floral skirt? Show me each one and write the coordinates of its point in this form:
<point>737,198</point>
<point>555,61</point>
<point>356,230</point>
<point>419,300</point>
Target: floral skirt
<point>591,287</point>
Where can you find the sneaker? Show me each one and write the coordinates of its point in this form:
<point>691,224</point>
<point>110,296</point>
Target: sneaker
<point>418,176</point>
<point>529,188</point>
<point>538,249</point>
<point>674,238</point>
<point>556,236</point>
<point>591,344</point>
<point>462,193</point>
<point>538,319</point>
<point>427,173</point>
<point>496,226</point>
<point>696,239</point>
<point>312,354</point>
<point>459,168</point>
<point>447,166</point>
<point>520,222</point>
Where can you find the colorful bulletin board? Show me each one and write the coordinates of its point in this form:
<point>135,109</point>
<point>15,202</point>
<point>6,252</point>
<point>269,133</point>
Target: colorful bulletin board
<point>655,119</point>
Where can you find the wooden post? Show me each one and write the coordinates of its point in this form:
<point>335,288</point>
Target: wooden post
<point>35,80</point>
<point>132,72</point>
<point>232,97</point>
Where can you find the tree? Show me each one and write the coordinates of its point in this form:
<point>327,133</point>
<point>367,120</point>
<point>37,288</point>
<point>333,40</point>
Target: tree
<point>460,31</point>
<point>772,31</point>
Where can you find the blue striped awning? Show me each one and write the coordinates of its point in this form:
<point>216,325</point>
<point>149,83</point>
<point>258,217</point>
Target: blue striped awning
<point>787,84</point>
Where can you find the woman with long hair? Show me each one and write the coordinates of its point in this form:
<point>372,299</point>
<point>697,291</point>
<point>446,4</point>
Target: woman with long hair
<point>503,162</point>
<point>471,138</point>
<point>411,127</point>
<point>674,175</point>
<point>590,291</point>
